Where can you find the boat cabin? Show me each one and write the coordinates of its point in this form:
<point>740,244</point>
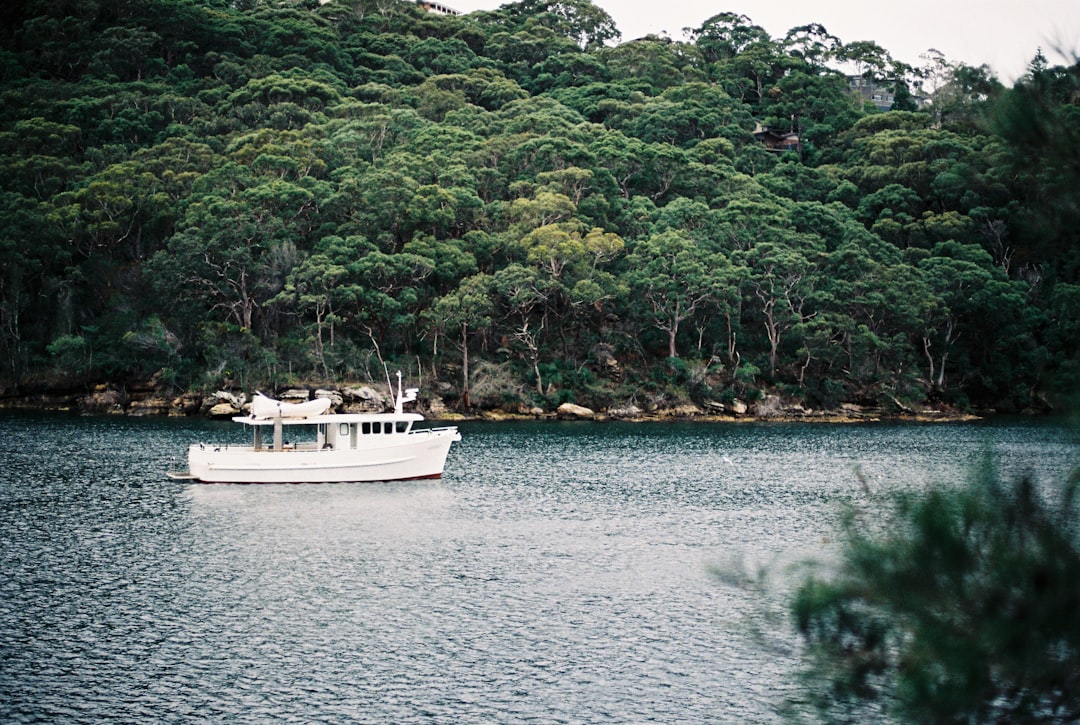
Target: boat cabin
<point>332,432</point>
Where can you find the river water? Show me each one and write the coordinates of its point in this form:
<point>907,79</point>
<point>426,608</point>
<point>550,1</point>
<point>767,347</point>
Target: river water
<point>558,573</point>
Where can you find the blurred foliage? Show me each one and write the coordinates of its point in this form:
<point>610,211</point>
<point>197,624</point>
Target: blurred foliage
<point>960,609</point>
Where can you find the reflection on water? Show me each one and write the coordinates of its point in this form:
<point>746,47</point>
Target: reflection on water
<point>557,573</point>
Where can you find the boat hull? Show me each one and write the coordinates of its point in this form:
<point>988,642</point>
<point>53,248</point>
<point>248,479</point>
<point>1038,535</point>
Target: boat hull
<point>418,455</point>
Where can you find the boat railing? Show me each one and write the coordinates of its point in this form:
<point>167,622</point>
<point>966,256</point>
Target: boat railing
<point>432,431</point>
<point>243,447</point>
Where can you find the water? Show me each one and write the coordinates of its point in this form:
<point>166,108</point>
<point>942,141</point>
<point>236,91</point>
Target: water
<point>558,573</point>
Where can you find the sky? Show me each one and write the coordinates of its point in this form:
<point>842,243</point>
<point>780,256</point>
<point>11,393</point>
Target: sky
<point>1003,34</point>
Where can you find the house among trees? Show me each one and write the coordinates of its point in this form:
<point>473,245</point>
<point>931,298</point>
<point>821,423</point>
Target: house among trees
<point>880,96</point>
<point>438,8</point>
<point>778,141</point>
<point>886,94</point>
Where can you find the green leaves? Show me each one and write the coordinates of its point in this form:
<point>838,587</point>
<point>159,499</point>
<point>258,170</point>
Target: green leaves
<point>296,183</point>
<point>961,611</point>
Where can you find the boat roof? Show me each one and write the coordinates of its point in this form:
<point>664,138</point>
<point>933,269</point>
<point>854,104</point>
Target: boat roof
<point>332,418</point>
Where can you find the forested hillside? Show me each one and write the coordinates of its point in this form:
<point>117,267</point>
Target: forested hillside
<point>264,192</point>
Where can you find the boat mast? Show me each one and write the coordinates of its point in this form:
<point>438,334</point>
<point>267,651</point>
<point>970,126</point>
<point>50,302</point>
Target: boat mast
<point>403,397</point>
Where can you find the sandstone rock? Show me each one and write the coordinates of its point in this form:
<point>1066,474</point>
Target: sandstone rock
<point>102,400</point>
<point>150,406</point>
<point>437,407</point>
<point>687,410</point>
<point>738,407</point>
<point>224,396</point>
<point>627,411</point>
<point>223,410</point>
<point>569,410</point>
<point>187,404</point>
<point>365,398</point>
<point>769,407</point>
<point>336,399</point>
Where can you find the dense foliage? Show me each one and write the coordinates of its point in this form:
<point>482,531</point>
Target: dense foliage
<point>266,191</point>
<point>963,612</point>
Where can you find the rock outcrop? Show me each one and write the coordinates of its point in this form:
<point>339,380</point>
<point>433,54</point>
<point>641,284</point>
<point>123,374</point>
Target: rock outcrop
<point>575,412</point>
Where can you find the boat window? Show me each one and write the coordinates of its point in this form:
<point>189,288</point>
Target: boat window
<point>343,429</point>
<point>388,427</point>
<point>402,426</point>
<point>365,427</point>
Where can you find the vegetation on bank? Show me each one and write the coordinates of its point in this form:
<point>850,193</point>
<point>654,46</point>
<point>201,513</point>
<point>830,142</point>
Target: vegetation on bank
<point>256,193</point>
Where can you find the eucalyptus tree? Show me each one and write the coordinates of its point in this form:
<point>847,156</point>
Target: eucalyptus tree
<point>40,157</point>
<point>965,96</point>
<point>31,275</point>
<point>868,59</point>
<point>816,105</point>
<point>726,35</point>
<point>780,287</point>
<point>1037,119</point>
<point>580,21</point>
<point>651,64</point>
<point>524,294</point>
<point>522,53</point>
<point>688,114</point>
<point>812,44</point>
<point>385,292</point>
<point>435,56</point>
<point>673,277</point>
<point>309,289</point>
<point>982,314</point>
<point>873,307</point>
<point>459,314</point>
<point>236,243</point>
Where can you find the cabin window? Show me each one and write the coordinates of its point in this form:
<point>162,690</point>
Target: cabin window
<point>387,427</point>
<point>343,429</point>
<point>402,426</point>
<point>365,428</point>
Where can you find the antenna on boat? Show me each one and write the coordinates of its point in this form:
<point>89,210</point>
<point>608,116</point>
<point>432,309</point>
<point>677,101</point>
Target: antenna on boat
<point>403,397</point>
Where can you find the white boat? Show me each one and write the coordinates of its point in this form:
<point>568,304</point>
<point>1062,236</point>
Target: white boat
<point>337,447</point>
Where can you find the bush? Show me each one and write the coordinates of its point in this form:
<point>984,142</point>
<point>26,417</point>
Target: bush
<point>966,611</point>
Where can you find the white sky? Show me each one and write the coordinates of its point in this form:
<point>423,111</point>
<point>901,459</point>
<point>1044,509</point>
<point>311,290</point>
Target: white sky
<point>1003,34</point>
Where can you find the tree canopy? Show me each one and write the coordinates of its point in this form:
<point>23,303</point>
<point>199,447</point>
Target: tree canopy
<point>269,191</point>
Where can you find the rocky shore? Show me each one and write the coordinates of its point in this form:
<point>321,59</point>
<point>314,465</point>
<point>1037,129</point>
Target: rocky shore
<point>150,400</point>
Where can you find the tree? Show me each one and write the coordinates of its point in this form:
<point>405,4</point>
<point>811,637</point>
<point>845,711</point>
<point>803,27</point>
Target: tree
<point>579,20</point>
<point>672,275</point>
<point>869,59</point>
<point>811,43</point>
<point>726,35</point>
<point>461,312</point>
<point>523,291</point>
<point>780,280</point>
<point>962,610</point>
<point>310,287</point>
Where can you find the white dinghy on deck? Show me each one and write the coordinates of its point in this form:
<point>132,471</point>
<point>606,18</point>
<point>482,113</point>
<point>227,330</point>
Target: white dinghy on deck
<point>344,447</point>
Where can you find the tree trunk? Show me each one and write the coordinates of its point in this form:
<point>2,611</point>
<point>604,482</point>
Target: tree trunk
<point>929,359</point>
<point>465,366</point>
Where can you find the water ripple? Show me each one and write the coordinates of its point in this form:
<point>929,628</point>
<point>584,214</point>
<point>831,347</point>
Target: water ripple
<point>557,573</point>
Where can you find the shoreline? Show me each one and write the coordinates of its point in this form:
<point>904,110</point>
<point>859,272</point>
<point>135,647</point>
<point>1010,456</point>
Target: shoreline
<point>359,398</point>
